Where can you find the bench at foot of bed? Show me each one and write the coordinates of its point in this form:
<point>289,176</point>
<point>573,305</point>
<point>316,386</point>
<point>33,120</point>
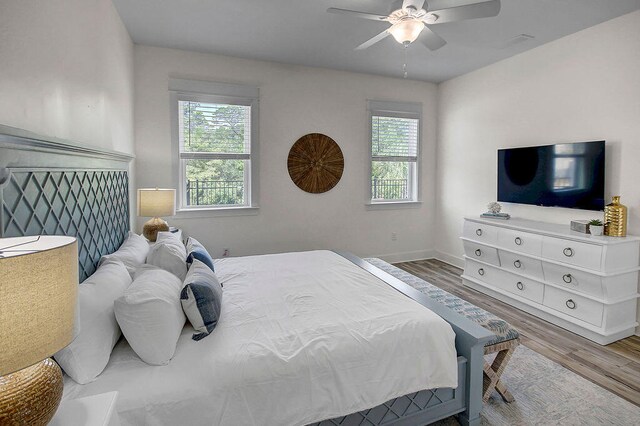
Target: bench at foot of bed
<point>505,342</point>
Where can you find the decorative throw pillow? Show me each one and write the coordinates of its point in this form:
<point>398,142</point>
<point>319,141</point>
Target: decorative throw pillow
<point>169,255</point>
<point>201,298</point>
<point>87,356</point>
<point>132,252</point>
<point>197,251</point>
<point>150,315</point>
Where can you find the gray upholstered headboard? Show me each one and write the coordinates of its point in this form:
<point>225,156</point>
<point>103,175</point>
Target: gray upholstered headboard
<point>49,186</point>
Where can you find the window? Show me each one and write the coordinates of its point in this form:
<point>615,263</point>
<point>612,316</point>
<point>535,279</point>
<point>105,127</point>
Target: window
<point>216,143</point>
<point>395,143</point>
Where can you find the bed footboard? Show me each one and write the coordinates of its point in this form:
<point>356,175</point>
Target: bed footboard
<point>470,340</point>
<point>419,408</point>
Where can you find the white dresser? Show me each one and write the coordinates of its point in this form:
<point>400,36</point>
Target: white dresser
<point>584,283</point>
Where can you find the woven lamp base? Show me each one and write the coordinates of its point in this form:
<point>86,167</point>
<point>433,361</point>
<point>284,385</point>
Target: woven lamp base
<point>151,228</point>
<point>31,396</point>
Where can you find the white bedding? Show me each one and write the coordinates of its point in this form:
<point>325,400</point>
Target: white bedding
<point>302,337</point>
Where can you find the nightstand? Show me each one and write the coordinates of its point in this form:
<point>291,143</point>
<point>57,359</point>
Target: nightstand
<point>96,410</point>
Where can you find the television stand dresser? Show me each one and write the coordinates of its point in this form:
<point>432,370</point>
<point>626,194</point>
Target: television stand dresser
<point>586,284</point>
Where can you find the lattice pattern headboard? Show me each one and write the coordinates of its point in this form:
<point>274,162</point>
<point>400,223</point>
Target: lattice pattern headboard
<point>59,188</point>
<point>92,205</point>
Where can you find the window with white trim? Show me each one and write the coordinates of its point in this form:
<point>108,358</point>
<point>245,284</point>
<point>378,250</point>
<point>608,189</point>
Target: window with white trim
<point>395,144</point>
<point>216,142</point>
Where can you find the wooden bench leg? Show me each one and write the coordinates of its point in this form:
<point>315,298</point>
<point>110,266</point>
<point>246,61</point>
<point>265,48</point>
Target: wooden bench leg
<point>493,372</point>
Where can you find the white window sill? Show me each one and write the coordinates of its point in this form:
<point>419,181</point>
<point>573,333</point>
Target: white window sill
<point>216,212</point>
<point>390,205</point>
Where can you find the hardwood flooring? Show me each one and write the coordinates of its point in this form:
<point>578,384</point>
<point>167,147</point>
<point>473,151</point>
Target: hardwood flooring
<point>615,367</point>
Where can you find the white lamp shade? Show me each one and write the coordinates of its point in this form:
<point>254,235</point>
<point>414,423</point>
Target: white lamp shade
<point>407,31</point>
<point>38,294</point>
<point>154,202</point>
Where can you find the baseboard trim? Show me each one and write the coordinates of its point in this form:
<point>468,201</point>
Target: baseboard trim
<point>407,256</point>
<point>450,259</point>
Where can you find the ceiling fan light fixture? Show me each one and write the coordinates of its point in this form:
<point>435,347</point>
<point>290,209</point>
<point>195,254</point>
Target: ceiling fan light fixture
<point>406,31</point>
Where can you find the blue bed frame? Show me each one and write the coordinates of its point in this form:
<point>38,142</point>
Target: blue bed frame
<point>53,187</point>
<point>50,186</point>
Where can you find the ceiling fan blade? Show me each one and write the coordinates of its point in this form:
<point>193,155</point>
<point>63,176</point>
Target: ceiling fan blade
<point>432,40</point>
<point>363,15</point>
<point>373,40</point>
<point>486,9</point>
<point>415,3</point>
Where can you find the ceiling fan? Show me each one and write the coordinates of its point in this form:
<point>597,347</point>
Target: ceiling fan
<point>413,17</point>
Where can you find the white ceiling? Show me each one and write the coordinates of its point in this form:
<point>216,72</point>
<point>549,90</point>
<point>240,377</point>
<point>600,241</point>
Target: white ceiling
<point>302,32</point>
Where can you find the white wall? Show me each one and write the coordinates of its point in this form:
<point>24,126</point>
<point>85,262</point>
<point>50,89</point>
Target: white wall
<point>66,71</point>
<point>582,87</point>
<point>294,101</point>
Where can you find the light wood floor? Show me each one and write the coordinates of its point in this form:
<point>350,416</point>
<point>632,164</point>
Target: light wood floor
<point>615,367</point>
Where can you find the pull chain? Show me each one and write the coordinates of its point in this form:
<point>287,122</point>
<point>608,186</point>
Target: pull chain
<point>404,66</point>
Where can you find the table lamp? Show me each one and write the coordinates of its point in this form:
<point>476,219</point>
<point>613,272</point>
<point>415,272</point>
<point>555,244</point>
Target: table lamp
<point>155,203</point>
<point>38,294</point>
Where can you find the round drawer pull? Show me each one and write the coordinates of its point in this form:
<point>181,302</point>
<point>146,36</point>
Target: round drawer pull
<point>567,278</point>
<point>479,232</point>
<point>478,252</point>
<point>518,241</point>
<point>570,304</point>
<point>481,271</point>
<point>520,285</point>
<point>568,252</point>
<point>517,264</point>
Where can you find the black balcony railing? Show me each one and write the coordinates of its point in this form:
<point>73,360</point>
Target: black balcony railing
<point>389,189</point>
<point>214,192</point>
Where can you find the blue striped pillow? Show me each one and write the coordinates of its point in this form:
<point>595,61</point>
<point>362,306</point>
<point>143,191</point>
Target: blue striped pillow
<point>197,251</point>
<point>201,299</point>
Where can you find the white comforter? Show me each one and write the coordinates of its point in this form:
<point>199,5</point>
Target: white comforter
<point>302,337</point>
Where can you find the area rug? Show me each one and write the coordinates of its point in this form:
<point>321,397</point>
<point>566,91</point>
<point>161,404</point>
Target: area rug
<point>546,393</point>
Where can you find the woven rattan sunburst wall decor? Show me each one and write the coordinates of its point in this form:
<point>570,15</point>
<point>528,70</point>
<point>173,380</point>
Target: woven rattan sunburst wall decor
<point>315,163</point>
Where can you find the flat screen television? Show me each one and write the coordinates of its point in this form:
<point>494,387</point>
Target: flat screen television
<point>564,175</point>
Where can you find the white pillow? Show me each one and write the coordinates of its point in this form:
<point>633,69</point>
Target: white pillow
<point>150,315</point>
<point>166,236</point>
<point>133,252</point>
<point>85,358</point>
<point>169,254</point>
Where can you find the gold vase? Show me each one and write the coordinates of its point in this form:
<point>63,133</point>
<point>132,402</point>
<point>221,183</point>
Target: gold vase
<point>615,218</point>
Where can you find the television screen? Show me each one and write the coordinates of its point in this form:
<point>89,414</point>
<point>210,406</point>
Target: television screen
<point>563,175</point>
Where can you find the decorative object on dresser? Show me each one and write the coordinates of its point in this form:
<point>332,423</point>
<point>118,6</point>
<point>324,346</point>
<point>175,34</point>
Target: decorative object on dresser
<point>580,226</point>
<point>595,227</point>
<point>154,202</point>
<point>315,163</point>
<point>583,283</point>
<point>39,276</point>
<point>494,212</point>
<point>615,218</point>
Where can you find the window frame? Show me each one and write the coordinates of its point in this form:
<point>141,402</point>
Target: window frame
<point>411,110</point>
<point>216,93</point>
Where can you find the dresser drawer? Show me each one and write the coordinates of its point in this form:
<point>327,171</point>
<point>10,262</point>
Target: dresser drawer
<point>571,304</point>
<point>520,241</point>
<point>480,252</point>
<point>572,252</point>
<point>583,282</point>
<point>521,264</point>
<point>523,287</point>
<point>482,272</point>
<point>480,232</point>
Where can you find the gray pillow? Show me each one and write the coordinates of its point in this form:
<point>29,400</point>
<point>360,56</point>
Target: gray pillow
<point>201,299</point>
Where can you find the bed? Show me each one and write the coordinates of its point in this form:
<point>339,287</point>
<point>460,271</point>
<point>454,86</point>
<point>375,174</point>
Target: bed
<point>304,338</point>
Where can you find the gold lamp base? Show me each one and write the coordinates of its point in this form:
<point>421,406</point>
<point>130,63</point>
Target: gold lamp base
<point>151,228</point>
<point>31,396</point>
